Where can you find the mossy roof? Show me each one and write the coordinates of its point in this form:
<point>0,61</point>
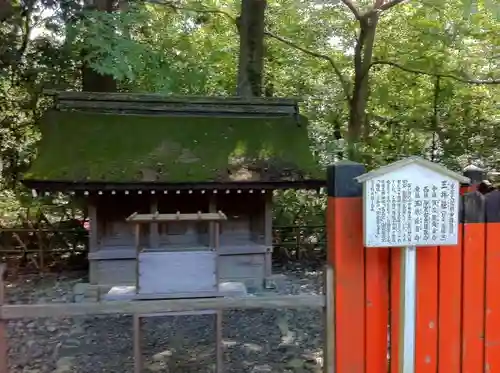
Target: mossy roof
<point>79,146</point>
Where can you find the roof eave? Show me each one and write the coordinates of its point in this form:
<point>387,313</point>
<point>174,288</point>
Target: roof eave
<point>62,186</point>
<point>413,160</point>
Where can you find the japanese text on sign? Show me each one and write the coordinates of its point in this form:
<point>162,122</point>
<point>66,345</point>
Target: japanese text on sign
<point>402,212</point>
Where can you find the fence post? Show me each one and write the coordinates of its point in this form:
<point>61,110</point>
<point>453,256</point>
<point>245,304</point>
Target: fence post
<point>473,274</point>
<point>346,254</point>
<point>4,365</point>
<point>492,275</point>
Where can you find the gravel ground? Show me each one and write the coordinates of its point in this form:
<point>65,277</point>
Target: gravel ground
<point>255,341</point>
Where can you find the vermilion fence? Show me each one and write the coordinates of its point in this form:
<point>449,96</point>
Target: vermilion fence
<point>458,289</point>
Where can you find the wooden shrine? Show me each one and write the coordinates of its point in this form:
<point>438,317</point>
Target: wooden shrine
<point>120,154</point>
<point>173,271</point>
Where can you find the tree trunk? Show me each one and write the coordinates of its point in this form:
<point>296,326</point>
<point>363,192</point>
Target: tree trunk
<point>251,57</point>
<point>92,81</point>
<point>361,92</point>
<point>5,10</point>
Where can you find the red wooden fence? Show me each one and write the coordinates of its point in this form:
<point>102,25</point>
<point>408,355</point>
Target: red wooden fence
<point>458,289</point>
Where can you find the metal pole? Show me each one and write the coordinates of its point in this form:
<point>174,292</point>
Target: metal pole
<point>329,310</point>
<point>408,296</point>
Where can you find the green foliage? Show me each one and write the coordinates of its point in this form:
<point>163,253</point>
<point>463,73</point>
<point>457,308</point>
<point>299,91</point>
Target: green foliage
<point>447,44</point>
<point>182,50</point>
<point>103,39</point>
<point>153,49</point>
<point>30,60</point>
<point>472,7</point>
<point>302,208</point>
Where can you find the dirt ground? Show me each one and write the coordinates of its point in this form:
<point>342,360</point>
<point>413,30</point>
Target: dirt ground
<point>257,341</point>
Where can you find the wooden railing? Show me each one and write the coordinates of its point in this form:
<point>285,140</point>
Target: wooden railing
<point>40,248</point>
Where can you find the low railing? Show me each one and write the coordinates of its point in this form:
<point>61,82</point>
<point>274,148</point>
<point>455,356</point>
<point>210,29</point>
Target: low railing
<point>40,248</point>
<point>299,242</point>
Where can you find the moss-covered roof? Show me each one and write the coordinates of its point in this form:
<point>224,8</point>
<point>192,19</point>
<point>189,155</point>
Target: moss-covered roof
<point>86,147</point>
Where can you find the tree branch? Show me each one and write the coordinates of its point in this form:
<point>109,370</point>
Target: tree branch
<point>197,10</point>
<point>352,6</point>
<point>390,4</point>
<point>343,80</point>
<point>435,118</point>
<point>440,75</point>
<point>27,32</point>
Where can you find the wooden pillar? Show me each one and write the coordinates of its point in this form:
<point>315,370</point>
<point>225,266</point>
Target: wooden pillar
<point>214,243</point>
<point>462,283</point>
<point>4,356</point>
<point>347,256</point>
<point>93,241</point>
<point>268,232</point>
<point>212,207</point>
<point>219,358</point>
<point>218,313</point>
<point>491,310</point>
<point>137,335</point>
<point>137,233</point>
<point>154,237</point>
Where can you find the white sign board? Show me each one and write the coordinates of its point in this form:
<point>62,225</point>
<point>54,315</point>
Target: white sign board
<point>411,206</point>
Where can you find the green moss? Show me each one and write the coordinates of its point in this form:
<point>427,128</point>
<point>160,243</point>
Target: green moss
<point>78,146</point>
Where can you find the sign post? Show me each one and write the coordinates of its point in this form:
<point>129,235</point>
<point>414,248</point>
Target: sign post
<point>408,306</point>
<point>410,203</point>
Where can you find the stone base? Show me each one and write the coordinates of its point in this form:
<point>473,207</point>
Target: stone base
<point>125,293</point>
<point>85,292</point>
<point>274,282</point>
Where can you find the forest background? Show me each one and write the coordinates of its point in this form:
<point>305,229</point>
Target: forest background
<point>378,79</point>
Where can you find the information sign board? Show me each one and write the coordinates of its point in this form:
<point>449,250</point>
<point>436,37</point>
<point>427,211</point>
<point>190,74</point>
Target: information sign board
<point>411,205</point>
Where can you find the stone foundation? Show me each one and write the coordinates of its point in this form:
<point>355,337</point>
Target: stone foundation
<point>85,292</point>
